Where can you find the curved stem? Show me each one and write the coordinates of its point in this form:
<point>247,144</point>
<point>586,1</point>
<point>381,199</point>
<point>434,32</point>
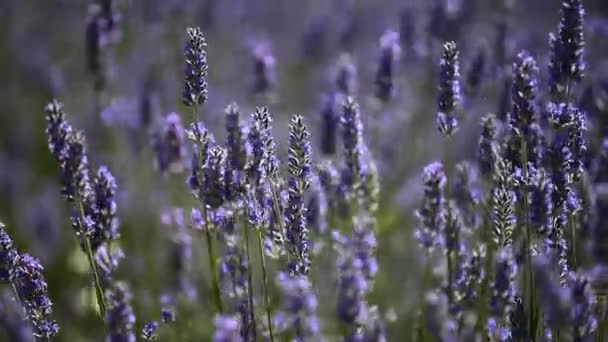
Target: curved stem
<point>265,285</point>
<point>249,276</point>
<point>212,263</point>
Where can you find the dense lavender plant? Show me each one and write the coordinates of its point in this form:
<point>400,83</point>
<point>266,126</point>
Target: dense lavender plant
<point>298,316</point>
<point>195,82</point>
<point>25,274</point>
<point>567,64</point>
<point>299,183</point>
<point>449,90</point>
<point>430,215</point>
<point>390,52</point>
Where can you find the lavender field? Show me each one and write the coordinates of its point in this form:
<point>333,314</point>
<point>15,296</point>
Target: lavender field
<point>346,170</point>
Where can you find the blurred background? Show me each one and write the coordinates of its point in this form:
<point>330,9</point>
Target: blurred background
<point>120,93</point>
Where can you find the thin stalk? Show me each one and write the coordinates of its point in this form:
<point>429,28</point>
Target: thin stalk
<point>278,213</point>
<point>448,193</point>
<point>93,265</point>
<point>265,284</point>
<point>212,263</point>
<point>249,276</point>
<point>528,277</point>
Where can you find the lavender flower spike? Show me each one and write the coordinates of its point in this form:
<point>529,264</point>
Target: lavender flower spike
<point>298,185</point>
<point>568,45</point>
<point>430,214</point>
<point>352,137</point>
<point>449,90</point>
<point>195,83</point>
<point>26,275</point>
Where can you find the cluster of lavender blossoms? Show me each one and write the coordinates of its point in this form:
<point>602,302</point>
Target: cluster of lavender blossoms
<point>511,243</point>
<point>518,248</point>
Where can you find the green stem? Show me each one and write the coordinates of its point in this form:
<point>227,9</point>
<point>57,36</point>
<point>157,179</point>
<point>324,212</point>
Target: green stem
<point>249,276</point>
<point>99,293</point>
<point>528,277</point>
<point>265,285</point>
<point>212,263</point>
<point>279,214</point>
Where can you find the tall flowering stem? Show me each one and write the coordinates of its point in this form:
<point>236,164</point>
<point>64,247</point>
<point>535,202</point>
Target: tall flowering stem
<point>522,122</point>
<point>68,146</point>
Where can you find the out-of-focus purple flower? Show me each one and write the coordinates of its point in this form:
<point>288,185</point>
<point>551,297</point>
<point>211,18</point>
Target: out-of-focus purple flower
<point>407,28</point>
<point>26,275</point>
<point>226,329</point>
<point>264,73</point>
<point>477,70</point>
<point>390,52</point>
<point>488,146</point>
<point>439,324</point>
<point>555,299</point>
<point>298,315</point>
<point>352,284</point>
<point>13,322</point>
<point>330,121</point>
<point>237,152</point>
<point>317,205</point>
<point>298,184</point>
<point>195,82</point>
<point>466,194</point>
<point>567,51</point>
<point>168,144</point>
<point>582,311</point>
<point>315,38</point>
<point>468,277</point>
<point>430,214</point>
<point>120,318</point>
<point>150,331</point>
<point>448,100</point>
<point>345,75</point>
<point>234,271</point>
